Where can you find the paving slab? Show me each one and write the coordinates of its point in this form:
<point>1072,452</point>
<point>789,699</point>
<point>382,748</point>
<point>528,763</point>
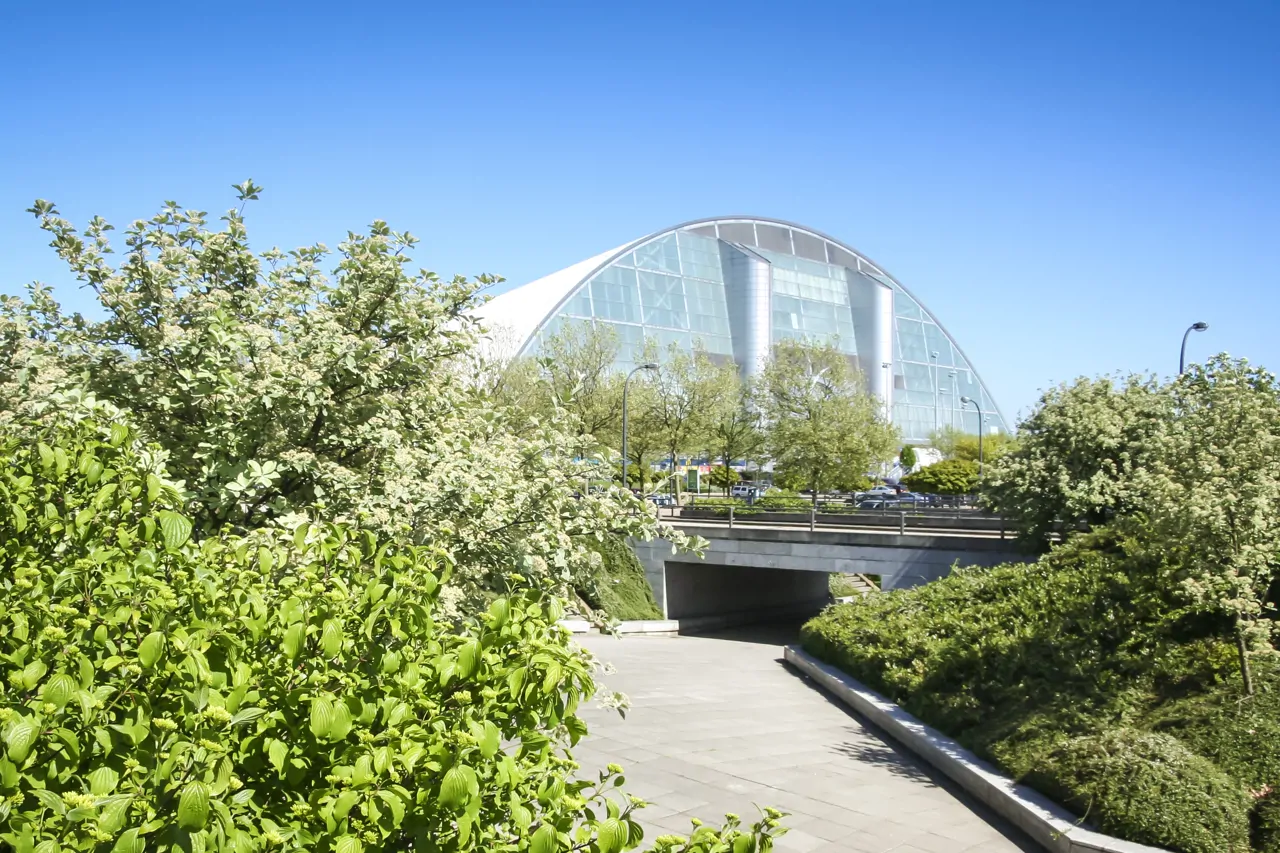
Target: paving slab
<point>720,723</point>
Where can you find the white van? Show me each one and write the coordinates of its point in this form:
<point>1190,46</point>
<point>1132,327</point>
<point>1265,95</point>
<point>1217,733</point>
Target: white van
<point>744,490</point>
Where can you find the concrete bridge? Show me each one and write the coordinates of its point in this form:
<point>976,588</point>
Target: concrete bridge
<point>758,571</point>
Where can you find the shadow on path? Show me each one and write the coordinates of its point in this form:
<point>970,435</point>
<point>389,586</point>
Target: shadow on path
<point>901,762</point>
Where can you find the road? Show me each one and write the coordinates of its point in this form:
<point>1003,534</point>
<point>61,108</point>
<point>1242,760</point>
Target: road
<point>718,724</point>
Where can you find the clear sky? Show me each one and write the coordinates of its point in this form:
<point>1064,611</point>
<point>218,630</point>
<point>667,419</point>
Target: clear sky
<point>1066,185</point>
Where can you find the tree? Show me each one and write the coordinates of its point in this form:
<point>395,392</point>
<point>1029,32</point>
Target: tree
<point>954,444</point>
<point>733,422</point>
<point>948,477</point>
<point>578,363</point>
<point>684,390</point>
<point>818,418</point>
<point>1211,492</point>
<point>257,521</point>
<point>907,457</point>
<point>723,477</point>
<point>277,391</point>
<point>1076,454</point>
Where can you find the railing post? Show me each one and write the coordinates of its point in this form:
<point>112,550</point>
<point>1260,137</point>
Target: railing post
<point>813,518</point>
<point>730,516</point>
<point>902,524</point>
<point>1002,527</point>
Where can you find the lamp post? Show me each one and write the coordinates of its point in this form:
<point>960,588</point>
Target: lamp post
<point>648,365</point>
<point>1182,357</point>
<point>887,366</point>
<point>955,391</point>
<point>981,429</point>
<point>933,356</point>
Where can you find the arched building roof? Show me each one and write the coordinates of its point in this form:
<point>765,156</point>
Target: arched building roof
<point>734,285</point>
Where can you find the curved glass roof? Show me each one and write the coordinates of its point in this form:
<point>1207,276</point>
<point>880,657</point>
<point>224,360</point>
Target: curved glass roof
<point>674,287</point>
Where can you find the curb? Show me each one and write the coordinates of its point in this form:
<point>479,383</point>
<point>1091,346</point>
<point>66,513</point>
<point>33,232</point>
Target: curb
<point>1047,823</point>
<point>659,627</point>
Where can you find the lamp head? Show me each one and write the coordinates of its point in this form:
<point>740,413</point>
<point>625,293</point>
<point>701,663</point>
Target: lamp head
<point>966,400</point>
<point>648,365</point>
<point>1199,327</point>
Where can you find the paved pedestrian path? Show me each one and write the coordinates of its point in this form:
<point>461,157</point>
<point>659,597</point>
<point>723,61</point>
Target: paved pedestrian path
<point>718,724</point>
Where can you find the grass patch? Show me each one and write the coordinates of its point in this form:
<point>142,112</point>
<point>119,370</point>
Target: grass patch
<point>617,586</point>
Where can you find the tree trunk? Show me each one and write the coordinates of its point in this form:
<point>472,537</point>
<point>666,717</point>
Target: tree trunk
<point>1243,651</point>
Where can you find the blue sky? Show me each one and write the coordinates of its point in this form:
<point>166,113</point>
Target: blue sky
<point>1066,185</point>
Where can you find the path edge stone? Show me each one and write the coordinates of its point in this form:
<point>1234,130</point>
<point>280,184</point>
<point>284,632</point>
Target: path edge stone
<point>1046,822</point>
<point>661,627</point>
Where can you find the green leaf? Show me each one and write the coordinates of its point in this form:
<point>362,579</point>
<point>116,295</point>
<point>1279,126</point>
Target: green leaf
<point>515,679</point>
<point>19,517</point>
<point>293,639</point>
<point>322,717</point>
<point>395,804</point>
<point>453,790</point>
<point>33,672</point>
<point>128,842</point>
<point>278,752</point>
<point>119,434</point>
<point>46,455</point>
<point>468,658</point>
<point>611,836</point>
<point>246,715</point>
<point>176,529</point>
<point>103,781</point>
<point>193,807</point>
<point>341,725</point>
<point>154,486</point>
<point>521,817</point>
<point>545,840</point>
<point>19,739</point>
<point>331,638</point>
<point>499,612</point>
<point>346,800</point>
<point>490,742</point>
<point>348,844</point>
<point>150,650</point>
<point>59,689</point>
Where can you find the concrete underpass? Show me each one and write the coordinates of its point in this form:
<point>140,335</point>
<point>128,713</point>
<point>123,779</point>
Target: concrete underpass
<point>708,596</point>
<point>761,574</point>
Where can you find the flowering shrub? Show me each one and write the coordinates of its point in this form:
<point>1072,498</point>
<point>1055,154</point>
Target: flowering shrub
<point>280,690</point>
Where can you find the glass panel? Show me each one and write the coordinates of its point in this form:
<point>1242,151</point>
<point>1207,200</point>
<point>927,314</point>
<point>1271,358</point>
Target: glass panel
<point>809,246</point>
<point>840,257</point>
<point>774,237</point>
<point>912,341</point>
<point>738,232</point>
<point>905,306</point>
<point>661,254</point>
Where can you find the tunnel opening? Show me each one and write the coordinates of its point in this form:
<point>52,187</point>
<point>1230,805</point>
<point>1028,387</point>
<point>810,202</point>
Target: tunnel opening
<point>706,597</point>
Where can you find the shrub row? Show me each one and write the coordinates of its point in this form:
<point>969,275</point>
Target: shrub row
<point>1089,680</point>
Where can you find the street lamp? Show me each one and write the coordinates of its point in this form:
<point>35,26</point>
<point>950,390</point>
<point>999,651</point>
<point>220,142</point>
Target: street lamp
<point>648,365</point>
<point>1182,358</point>
<point>981,429</point>
<point>888,388</point>
<point>933,356</point>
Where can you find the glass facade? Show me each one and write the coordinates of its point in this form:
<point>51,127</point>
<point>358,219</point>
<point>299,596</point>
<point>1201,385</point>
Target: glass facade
<point>674,288</point>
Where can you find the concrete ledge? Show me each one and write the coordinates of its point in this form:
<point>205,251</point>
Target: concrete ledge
<point>1044,820</point>
<point>665,627</point>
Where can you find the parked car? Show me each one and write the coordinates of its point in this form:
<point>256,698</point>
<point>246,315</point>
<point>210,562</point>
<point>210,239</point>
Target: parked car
<point>747,491</point>
<point>662,500</point>
<point>879,503</point>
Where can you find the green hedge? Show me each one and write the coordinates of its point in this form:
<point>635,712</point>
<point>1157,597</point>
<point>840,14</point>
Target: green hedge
<point>1149,788</point>
<point>1031,666</point>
